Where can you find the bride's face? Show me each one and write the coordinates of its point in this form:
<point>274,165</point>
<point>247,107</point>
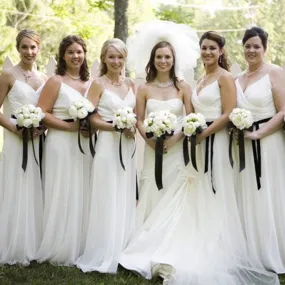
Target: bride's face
<point>114,60</point>
<point>163,60</point>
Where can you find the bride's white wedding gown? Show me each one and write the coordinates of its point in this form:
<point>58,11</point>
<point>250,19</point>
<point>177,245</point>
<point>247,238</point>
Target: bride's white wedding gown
<point>263,211</point>
<point>149,195</point>
<point>22,205</point>
<point>193,236</point>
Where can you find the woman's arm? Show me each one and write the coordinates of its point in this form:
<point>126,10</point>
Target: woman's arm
<point>228,100</point>
<point>277,79</point>
<point>186,98</point>
<point>6,81</point>
<point>47,100</point>
<point>94,94</point>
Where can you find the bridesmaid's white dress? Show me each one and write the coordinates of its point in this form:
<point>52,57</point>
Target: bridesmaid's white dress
<point>194,236</point>
<point>149,195</point>
<point>263,211</point>
<point>66,175</point>
<point>22,205</point>
<point>113,201</point>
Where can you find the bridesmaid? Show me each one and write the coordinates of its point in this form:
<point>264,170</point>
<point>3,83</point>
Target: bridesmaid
<point>66,170</point>
<point>21,210</point>
<point>261,195</point>
<point>113,201</point>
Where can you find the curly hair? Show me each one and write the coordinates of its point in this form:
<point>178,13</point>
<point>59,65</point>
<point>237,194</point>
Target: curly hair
<point>61,64</point>
<point>119,45</point>
<point>150,69</point>
<point>27,33</point>
<point>221,41</point>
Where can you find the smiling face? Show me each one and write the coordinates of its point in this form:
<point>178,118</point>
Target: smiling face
<point>114,60</point>
<point>254,50</point>
<point>163,60</point>
<point>74,56</point>
<point>28,50</point>
<point>210,52</point>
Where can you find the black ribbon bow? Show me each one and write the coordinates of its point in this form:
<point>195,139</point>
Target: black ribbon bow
<point>193,143</point>
<point>120,145</point>
<point>85,125</point>
<point>158,157</point>
<point>240,137</point>
<point>209,143</point>
<point>26,134</point>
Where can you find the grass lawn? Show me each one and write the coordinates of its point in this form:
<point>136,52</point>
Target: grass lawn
<point>46,274</point>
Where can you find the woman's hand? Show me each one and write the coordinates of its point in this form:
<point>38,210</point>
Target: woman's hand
<point>252,135</point>
<point>73,126</point>
<point>130,134</point>
<point>169,142</point>
<point>17,132</point>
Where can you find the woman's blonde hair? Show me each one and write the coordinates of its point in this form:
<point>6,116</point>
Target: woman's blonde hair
<point>27,33</point>
<point>119,45</point>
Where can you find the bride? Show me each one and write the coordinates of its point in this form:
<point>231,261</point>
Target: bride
<point>187,240</point>
<point>162,91</point>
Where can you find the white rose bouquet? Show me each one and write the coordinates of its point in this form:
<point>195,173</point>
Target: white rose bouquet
<point>159,125</point>
<point>124,118</point>
<point>81,110</point>
<point>240,120</point>
<point>27,118</point>
<point>192,125</point>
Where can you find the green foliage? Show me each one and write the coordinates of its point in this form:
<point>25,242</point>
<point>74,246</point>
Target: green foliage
<point>268,15</point>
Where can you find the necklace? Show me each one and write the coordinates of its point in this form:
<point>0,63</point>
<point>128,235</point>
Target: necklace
<point>27,75</point>
<point>204,79</point>
<point>121,81</point>
<point>248,74</point>
<point>73,77</point>
<point>163,84</point>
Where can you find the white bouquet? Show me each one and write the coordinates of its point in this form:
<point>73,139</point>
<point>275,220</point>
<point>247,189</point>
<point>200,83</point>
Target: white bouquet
<point>124,118</point>
<point>81,109</point>
<point>241,118</point>
<point>160,123</point>
<point>193,124</point>
<point>29,116</point>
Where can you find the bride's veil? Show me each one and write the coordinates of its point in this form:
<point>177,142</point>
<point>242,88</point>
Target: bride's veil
<point>182,37</point>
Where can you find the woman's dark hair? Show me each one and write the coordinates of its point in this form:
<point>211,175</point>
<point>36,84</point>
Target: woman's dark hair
<point>220,40</point>
<point>61,65</point>
<point>150,69</point>
<point>256,32</point>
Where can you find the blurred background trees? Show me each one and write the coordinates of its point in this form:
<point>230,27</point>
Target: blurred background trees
<point>98,20</point>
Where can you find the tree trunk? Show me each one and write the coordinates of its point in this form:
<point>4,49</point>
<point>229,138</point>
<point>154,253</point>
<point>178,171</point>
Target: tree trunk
<point>121,19</point>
